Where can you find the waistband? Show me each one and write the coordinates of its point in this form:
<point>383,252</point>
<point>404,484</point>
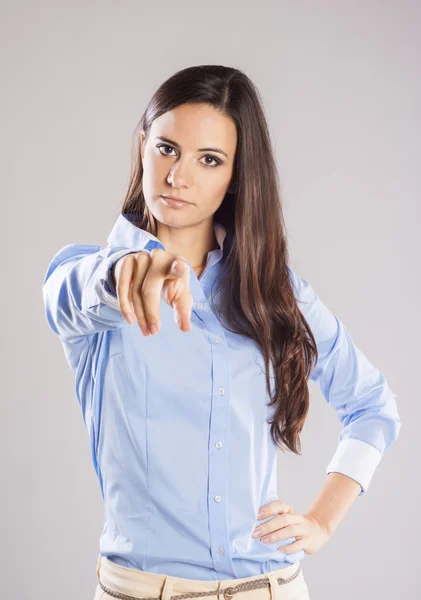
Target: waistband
<point>133,584</point>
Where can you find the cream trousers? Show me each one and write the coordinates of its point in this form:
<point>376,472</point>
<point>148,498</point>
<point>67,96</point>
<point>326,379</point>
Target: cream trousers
<point>116,581</point>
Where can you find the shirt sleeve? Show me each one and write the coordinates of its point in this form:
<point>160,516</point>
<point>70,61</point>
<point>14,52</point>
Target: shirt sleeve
<point>353,386</point>
<point>78,292</point>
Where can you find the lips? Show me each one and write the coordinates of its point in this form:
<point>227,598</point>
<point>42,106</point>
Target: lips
<point>175,199</point>
<point>177,203</point>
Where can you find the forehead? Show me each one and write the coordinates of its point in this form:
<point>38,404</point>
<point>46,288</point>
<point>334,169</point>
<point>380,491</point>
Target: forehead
<point>197,125</point>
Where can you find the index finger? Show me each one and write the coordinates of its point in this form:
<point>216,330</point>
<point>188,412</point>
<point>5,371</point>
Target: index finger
<point>182,303</point>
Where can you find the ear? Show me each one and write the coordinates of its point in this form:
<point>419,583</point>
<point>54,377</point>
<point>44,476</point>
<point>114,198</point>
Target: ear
<point>142,142</point>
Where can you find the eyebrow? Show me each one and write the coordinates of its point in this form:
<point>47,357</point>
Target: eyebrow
<point>165,139</point>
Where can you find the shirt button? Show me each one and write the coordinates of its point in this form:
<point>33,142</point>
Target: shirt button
<point>218,339</point>
<point>217,498</point>
<point>220,550</point>
<point>218,444</point>
<point>199,305</point>
<point>221,391</point>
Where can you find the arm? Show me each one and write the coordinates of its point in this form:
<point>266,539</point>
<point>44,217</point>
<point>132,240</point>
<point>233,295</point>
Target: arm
<point>337,495</point>
<point>79,292</point>
<point>355,388</point>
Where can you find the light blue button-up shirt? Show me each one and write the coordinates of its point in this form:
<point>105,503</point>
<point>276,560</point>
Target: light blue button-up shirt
<point>178,421</point>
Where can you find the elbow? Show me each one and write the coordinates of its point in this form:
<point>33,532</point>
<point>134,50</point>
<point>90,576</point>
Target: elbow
<point>395,429</point>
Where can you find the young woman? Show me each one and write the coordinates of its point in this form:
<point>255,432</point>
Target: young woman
<point>192,341</point>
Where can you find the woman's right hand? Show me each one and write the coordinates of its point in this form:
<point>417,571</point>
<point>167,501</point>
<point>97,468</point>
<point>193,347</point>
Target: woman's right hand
<point>142,278</point>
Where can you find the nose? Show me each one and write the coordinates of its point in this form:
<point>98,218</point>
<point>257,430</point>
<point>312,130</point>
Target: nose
<point>179,175</point>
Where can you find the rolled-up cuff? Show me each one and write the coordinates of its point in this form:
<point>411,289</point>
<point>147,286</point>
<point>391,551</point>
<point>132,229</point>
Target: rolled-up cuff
<point>356,459</point>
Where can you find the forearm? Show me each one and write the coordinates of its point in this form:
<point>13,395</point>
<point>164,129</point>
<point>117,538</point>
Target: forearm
<point>334,499</point>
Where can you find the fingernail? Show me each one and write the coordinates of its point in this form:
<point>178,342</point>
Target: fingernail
<point>256,532</point>
<point>153,329</point>
<point>261,512</point>
<point>176,263</point>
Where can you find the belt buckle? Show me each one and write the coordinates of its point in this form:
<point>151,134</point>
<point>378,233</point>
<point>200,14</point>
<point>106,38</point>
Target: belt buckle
<point>229,592</point>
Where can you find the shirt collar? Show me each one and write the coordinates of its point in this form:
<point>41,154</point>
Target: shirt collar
<point>127,235</point>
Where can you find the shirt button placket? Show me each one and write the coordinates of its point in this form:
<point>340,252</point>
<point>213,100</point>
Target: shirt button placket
<point>218,457</point>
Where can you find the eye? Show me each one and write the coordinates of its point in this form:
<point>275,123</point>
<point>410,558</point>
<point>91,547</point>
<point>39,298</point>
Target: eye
<point>214,164</point>
<point>164,146</point>
<point>218,162</point>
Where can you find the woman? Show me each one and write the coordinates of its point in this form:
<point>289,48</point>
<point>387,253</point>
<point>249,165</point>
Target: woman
<point>185,419</point>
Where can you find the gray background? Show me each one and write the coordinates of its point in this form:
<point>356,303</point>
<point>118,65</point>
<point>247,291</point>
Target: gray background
<point>341,85</point>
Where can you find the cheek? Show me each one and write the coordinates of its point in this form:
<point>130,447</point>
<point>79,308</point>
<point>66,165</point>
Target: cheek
<point>222,181</point>
<point>153,175</point>
<point>221,188</point>
<point>213,189</point>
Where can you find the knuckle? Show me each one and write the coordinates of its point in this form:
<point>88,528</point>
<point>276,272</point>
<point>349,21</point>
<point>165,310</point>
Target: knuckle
<point>143,256</point>
<point>137,256</point>
<point>127,259</point>
<point>157,252</point>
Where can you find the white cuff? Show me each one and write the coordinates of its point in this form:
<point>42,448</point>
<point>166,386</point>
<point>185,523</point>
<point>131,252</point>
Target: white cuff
<point>356,459</point>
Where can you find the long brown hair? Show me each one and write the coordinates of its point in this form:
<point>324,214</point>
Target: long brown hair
<point>258,298</point>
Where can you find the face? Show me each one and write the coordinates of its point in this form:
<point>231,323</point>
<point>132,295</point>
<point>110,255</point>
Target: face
<point>189,154</point>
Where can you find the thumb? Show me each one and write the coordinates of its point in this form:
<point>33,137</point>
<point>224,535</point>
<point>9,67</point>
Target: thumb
<point>178,266</point>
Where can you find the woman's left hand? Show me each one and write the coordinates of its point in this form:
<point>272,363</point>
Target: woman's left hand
<point>311,535</point>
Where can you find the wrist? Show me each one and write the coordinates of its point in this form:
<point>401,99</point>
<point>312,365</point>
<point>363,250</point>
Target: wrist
<point>328,527</point>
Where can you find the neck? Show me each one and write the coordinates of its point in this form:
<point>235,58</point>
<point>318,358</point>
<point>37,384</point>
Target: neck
<point>193,242</point>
